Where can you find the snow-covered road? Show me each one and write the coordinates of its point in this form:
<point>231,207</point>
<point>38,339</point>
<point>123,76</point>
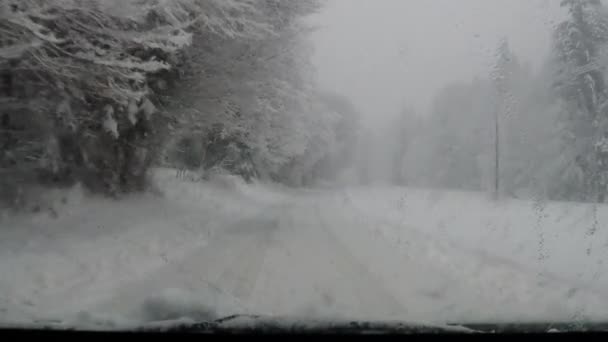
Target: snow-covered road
<point>281,261</point>
<point>213,251</point>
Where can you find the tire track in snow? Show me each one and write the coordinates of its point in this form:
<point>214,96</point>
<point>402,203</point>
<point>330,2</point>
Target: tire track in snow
<point>368,287</point>
<point>241,277</point>
<point>230,263</point>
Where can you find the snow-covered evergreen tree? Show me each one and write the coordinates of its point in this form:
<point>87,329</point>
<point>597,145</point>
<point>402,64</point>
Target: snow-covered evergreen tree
<point>82,69</point>
<point>92,90</point>
<point>579,48</point>
<point>507,76</point>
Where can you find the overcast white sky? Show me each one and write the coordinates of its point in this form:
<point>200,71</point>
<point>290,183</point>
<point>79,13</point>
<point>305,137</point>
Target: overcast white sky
<point>385,53</point>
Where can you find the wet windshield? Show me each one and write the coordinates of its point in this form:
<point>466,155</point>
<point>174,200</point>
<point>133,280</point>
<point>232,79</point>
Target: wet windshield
<point>389,161</point>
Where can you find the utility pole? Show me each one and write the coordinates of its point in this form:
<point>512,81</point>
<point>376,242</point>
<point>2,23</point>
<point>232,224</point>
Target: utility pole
<point>497,154</point>
<point>499,75</point>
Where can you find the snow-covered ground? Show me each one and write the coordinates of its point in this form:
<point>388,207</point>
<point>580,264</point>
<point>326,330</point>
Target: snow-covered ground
<point>203,250</point>
<point>96,245</point>
<point>569,240</point>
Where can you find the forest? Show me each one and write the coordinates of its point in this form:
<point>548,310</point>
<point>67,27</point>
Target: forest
<point>550,124</point>
<point>98,92</point>
<point>200,163</point>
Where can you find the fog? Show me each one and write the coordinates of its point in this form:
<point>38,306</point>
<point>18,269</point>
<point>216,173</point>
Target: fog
<point>162,161</point>
<point>423,79</point>
<point>384,54</point>
<point>401,92</point>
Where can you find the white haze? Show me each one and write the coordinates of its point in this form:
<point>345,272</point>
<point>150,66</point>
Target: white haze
<point>388,55</point>
<point>385,53</point>
<point>448,165</point>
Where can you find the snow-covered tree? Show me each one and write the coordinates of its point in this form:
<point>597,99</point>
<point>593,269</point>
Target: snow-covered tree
<point>457,137</point>
<point>510,82</point>
<point>346,130</point>
<point>92,89</point>
<point>258,93</point>
<point>579,49</point>
<point>80,67</point>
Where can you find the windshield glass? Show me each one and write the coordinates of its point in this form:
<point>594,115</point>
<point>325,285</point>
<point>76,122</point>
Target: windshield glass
<point>443,162</point>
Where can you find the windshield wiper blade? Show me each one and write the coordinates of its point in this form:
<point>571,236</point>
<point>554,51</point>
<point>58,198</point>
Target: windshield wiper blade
<point>237,324</point>
<point>537,327</point>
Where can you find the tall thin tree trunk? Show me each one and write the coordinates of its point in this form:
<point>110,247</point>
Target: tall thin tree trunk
<point>497,156</point>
